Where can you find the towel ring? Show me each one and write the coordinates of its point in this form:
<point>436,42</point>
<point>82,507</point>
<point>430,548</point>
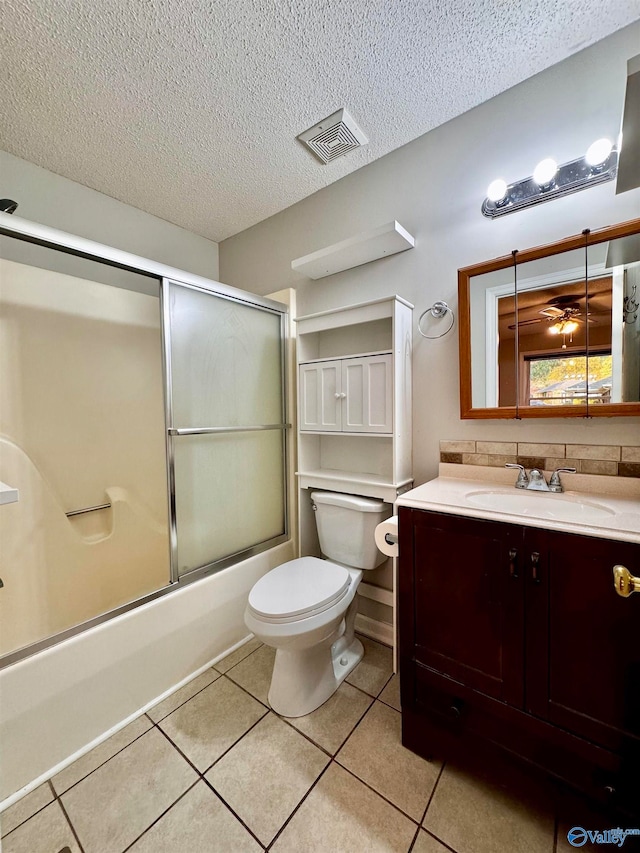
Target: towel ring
<point>438,310</point>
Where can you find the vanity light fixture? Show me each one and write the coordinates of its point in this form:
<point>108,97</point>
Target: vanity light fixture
<point>598,165</point>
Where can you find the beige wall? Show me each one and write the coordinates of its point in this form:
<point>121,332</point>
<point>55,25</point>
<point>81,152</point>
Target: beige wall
<point>81,423</point>
<point>68,206</point>
<point>434,187</point>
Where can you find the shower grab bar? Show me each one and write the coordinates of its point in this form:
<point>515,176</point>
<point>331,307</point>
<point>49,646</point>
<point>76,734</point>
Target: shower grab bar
<point>213,430</point>
<point>87,509</point>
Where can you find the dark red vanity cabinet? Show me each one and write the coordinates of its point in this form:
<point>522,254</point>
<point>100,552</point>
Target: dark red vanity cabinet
<point>516,635</point>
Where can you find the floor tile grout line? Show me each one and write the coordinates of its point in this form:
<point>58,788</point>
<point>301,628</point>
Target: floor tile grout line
<point>218,675</point>
<point>155,724</point>
<point>442,843</point>
<point>382,796</point>
<point>241,659</point>
<point>233,811</point>
<point>91,772</point>
<point>415,838</point>
<point>71,826</point>
<point>356,724</point>
<point>152,724</point>
<point>202,777</point>
<point>433,791</point>
<point>426,809</point>
<point>315,743</point>
<point>296,809</point>
<point>236,742</point>
<point>373,702</point>
<point>179,751</point>
<point>168,809</point>
<point>307,737</point>
<point>37,811</point>
<point>248,692</point>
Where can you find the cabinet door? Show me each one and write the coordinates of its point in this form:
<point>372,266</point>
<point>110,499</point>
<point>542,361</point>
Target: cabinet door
<point>320,390</point>
<point>368,385</point>
<point>583,640</point>
<point>469,602</point>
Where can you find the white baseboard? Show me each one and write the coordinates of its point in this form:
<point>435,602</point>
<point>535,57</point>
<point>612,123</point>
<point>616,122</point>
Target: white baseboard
<point>380,631</point>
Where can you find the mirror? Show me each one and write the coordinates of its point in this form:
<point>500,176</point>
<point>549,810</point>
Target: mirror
<point>557,334</point>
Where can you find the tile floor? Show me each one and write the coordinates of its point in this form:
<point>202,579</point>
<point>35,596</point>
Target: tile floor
<point>212,768</point>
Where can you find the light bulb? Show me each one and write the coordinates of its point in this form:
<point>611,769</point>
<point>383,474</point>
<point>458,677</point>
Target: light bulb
<point>598,152</point>
<point>570,327</point>
<point>554,330</point>
<point>497,190</point>
<point>545,172</point>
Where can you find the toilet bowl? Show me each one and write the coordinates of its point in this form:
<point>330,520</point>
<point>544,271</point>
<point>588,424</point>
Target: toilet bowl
<point>306,608</point>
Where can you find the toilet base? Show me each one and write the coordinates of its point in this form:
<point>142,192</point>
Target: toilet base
<point>303,679</point>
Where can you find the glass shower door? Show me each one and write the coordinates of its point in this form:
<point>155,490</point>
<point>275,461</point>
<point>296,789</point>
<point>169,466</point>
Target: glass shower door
<point>226,427</point>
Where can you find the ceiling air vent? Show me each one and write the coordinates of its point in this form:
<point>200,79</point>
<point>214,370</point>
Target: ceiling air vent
<point>333,136</point>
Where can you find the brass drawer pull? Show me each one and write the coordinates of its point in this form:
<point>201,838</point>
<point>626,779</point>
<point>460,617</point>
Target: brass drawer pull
<point>624,582</point>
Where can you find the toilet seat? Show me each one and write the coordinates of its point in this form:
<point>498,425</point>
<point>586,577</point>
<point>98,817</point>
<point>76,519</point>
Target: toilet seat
<point>299,589</point>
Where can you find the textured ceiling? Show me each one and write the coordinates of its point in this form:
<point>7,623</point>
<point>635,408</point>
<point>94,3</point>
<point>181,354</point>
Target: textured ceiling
<point>189,109</point>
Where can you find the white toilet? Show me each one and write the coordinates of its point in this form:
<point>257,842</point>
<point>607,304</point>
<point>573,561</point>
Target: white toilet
<point>306,608</point>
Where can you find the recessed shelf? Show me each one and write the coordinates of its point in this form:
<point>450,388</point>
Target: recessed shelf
<point>369,246</point>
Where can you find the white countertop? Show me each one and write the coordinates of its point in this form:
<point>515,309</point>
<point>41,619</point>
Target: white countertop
<point>606,510</point>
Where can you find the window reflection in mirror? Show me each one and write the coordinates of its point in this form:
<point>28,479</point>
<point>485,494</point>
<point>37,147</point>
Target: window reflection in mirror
<point>557,320</point>
<point>574,347</point>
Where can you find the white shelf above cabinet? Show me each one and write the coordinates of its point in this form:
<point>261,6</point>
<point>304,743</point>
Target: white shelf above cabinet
<point>369,246</point>
<point>371,485</point>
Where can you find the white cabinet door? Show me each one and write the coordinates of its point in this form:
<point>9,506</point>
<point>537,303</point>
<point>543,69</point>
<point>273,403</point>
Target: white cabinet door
<point>367,384</point>
<point>320,396</point>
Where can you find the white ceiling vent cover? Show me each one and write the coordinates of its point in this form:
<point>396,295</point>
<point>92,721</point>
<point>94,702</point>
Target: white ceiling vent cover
<point>333,136</point>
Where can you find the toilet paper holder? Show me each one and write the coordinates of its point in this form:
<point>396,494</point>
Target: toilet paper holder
<point>390,539</point>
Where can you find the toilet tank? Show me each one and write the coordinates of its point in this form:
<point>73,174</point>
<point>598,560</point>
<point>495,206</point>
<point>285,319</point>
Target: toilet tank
<point>345,528</point>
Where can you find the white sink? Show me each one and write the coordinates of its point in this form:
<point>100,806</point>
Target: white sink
<point>540,505</point>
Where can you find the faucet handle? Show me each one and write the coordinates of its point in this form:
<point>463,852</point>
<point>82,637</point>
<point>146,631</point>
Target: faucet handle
<point>554,483</point>
<point>523,481</point>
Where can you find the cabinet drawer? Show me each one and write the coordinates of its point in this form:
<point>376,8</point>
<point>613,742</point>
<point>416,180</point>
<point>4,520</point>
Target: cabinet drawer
<point>444,706</point>
<point>441,715</point>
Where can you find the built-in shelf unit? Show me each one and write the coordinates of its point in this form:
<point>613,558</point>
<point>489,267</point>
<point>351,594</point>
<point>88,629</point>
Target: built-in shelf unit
<point>354,399</point>
<point>354,408</point>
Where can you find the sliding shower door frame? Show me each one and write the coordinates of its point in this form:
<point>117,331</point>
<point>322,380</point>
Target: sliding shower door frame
<point>42,235</point>
<point>174,432</point>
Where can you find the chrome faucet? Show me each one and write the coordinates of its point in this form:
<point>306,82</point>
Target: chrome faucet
<point>523,481</point>
<point>554,483</point>
<point>536,482</point>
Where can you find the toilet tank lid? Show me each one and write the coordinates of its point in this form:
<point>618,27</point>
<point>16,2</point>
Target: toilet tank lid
<point>348,501</point>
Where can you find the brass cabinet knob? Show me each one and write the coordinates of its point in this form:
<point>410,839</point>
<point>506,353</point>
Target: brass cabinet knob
<point>624,582</point>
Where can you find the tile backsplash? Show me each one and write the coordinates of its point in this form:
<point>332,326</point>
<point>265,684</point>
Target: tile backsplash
<point>611,459</point>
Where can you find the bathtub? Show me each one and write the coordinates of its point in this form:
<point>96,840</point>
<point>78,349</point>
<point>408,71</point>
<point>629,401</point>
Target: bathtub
<point>60,703</point>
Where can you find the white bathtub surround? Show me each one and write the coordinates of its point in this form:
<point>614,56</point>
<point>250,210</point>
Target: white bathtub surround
<point>59,703</point>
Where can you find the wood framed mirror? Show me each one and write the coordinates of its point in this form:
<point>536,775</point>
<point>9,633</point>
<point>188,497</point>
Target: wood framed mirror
<point>553,331</point>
